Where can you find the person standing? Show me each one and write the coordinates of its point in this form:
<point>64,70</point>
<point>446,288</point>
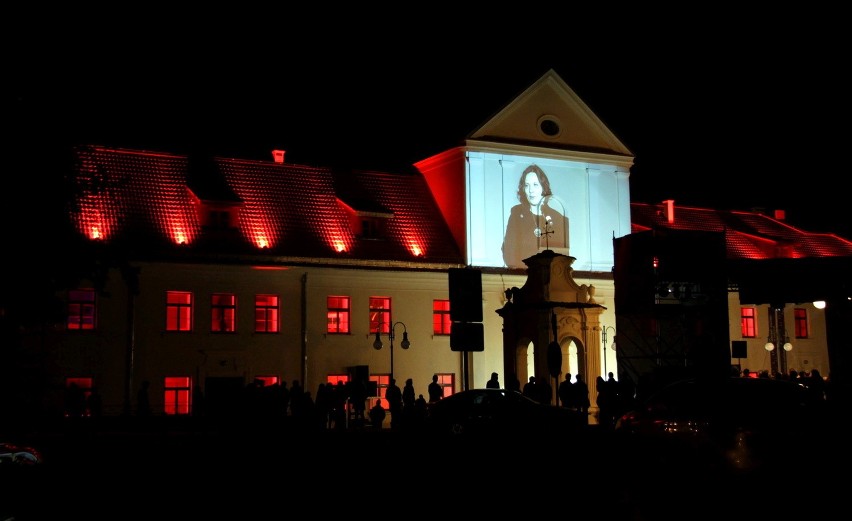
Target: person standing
<point>494,382</point>
<point>435,390</point>
<point>533,223</point>
<point>393,394</point>
<point>566,392</point>
<point>377,415</point>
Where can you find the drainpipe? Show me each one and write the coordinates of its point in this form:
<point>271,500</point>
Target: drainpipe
<point>304,326</point>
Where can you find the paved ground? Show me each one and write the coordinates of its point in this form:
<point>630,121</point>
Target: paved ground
<point>239,473</point>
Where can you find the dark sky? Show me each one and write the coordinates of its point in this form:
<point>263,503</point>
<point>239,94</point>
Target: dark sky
<point>720,111</point>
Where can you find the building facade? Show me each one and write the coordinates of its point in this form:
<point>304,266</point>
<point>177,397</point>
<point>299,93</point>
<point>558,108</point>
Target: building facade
<point>202,276</point>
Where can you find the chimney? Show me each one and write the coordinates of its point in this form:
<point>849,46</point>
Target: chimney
<point>278,156</point>
<point>669,210</point>
<point>780,215</point>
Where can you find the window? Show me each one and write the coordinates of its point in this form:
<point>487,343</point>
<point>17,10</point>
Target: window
<point>381,381</point>
<point>266,313</point>
<point>268,380</point>
<point>338,312</point>
<point>81,309</point>
<point>380,314</point>
<point>77,392</point>
<point>447,381</point>
<point>176,397</point>
<point>178,311</point>
<point>441,317</point>
<point>334,378</point>
<point>748,325</point>
<point>800,316</point>
<point>224,310</point>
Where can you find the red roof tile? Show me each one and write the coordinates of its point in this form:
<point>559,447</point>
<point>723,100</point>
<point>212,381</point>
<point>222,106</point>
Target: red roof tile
<point>147,198</point>
<point>749,235</point>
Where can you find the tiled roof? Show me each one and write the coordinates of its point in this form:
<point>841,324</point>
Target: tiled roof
<point>749,235</point>
<point>146,199</point>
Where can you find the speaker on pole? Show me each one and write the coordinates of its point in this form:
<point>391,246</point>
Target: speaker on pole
<point>739,349</point>
<point>465,295</point>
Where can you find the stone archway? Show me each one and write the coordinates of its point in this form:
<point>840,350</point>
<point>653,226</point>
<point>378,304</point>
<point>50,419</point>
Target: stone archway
<point>551,306</point>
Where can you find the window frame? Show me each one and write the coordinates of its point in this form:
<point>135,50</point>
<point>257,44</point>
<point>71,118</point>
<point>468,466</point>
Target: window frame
<point>177,395</point>
<point>447,381</point>
<point>801,325</point>
<point>338,315</point>
<point>81,310</point>
<point>441,320</point>
<point>748,322</point>
<point>223,313</point>
<point>380,315</point>
<point>267,315</point>
<point>179,314</point>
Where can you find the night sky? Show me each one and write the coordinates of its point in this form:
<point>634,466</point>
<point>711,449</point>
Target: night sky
<point>720,111</point>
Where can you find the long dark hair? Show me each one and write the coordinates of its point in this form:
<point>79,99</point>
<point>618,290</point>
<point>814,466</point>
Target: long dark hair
<point>542,179</point>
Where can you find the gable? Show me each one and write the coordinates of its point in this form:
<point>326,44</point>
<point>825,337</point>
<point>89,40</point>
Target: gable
<point>550,114</point>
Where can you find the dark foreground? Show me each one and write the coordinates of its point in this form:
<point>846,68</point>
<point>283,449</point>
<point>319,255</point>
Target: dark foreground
<point>185,472</point>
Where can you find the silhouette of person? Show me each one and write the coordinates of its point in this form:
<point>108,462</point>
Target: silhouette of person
<point>408,394</point>
<point>435,390</point>
<point>566,392</point>
<point>513,384</point>
<point>606,401</point>
<point>529,388</point>
<point>143,402</point>
<point>533,223</point>
<point>393,394</point>
<point>494,382</point>
<point>581,396</point>
<point>377,414</point>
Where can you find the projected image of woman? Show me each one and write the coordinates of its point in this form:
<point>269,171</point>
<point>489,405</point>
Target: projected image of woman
<point>534,224</point>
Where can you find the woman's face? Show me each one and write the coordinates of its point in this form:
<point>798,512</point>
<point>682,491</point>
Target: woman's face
<point>532,188</point>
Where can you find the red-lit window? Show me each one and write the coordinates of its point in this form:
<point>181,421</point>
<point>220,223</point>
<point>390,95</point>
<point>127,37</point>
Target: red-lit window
<point>380,314</point>
<point>268,380</point>
<point>77,393</point>
<point>81,309</point>
<point>800,316</point>
<point>266,313</point>
<point>381,381</point>
<point>447,381</point>
<point>334,378</point>
<point>224,313</point>
<point>177,395</point>
<point>441,317</point>
<point>178,311</point>
<point>338,312</point>
<point>748,322</point>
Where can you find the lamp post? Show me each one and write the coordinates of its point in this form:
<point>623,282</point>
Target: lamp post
<point>603,339</point>
<point>405,344</point>
<point>777,334</point>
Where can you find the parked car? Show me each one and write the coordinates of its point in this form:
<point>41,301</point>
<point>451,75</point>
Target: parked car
<point>18,455</point>
<point>731,424</point>
<point>499,412</point>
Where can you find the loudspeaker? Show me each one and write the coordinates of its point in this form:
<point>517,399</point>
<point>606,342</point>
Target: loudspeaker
<point>360,373</point>
<point>467,336</point>
<point>739,349</point>
<point>465,295</point>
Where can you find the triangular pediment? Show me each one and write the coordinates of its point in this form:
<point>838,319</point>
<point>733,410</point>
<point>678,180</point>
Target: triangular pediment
<point>550,114</point>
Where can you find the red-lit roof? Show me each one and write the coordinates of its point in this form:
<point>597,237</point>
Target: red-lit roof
<point>149,199</point>
<point>748,235</point>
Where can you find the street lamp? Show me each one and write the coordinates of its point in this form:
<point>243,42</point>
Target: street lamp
<point>405,344</point>
<point>603,339</point>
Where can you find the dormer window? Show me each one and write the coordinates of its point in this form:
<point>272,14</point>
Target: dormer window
<point>219,219</point>
<point>372,228</point>
<point>367,219</point>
